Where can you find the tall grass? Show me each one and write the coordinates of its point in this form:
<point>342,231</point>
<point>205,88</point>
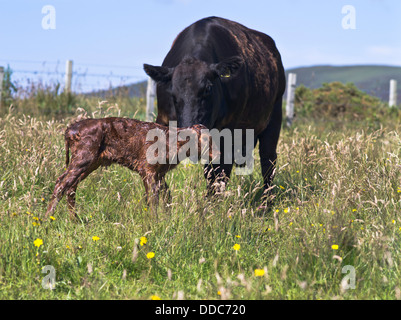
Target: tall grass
<point>336,203</point>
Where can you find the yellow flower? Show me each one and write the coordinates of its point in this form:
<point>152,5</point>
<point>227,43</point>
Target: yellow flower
<point>95,238</point>
<point>43,199</point>
<point>67,246</point>
<point>259,272</point>
<point>219,293</point>
<point>353,210</point>
<point>393,221</point>
<point>154,297</point>
<point>286,210</point>
<point>238,236</point>
<point>35,224</point>
<point>334,247</point>
<point>52,218</point>
<point>281,187</point>
<point>143,240</point>
<point>35,218</point>
<point>290,224</point>
<point>236,247</point>
<point>38,242</point>
<point>150,255</point>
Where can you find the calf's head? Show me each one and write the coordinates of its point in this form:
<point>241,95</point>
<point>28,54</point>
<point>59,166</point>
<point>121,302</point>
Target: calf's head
<point>196,88</point>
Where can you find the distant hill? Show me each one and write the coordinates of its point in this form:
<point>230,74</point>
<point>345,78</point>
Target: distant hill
<point>371,79</point>
<point>137,89</point>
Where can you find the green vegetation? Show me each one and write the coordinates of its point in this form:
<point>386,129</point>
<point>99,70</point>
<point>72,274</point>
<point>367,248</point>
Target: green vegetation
<point>336,203</point>
<point>373,80</point>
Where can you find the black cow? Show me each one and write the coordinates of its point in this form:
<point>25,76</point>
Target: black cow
<point>222,74</point>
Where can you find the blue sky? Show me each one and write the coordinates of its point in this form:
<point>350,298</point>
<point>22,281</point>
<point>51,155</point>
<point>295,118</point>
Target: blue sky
<point>110,39</point>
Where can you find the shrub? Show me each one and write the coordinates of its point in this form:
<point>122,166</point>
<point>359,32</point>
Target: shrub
<point>340,101</point>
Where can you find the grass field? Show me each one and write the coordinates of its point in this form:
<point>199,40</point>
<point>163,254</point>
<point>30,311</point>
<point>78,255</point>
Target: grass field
<point>336,204</point>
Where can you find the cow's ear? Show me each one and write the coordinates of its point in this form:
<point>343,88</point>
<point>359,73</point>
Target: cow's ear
<point>228,67</point>
<point>159,74</point>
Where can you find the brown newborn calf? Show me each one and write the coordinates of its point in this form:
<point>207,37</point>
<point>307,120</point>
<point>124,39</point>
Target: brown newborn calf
<point>101,142</point>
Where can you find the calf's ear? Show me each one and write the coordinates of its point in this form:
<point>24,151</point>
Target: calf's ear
<point>159,74</point>
<point>228,67</point>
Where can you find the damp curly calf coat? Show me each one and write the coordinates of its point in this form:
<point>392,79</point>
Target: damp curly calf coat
<point>102,142</point>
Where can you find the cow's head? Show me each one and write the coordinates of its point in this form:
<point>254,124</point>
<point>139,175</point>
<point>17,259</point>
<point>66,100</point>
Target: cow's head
<point>196,88</point>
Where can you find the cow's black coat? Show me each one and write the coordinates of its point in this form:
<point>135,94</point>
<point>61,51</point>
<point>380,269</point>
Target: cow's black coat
<point>224,75</point>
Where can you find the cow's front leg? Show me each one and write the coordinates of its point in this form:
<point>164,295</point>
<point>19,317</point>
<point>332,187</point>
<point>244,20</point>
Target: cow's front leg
<point>268,140</point>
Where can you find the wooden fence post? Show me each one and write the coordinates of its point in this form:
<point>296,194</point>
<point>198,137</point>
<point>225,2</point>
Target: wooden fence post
<point>150,99</point>
<point>291,83</point>
<point>68,75</point>
<point>393,93</point>
<point>1,82</point>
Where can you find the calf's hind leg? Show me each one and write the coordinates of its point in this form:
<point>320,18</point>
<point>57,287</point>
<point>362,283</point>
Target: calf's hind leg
<point>68,182</point>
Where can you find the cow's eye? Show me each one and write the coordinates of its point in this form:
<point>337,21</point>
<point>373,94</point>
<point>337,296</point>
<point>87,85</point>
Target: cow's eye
<point>208,88</point>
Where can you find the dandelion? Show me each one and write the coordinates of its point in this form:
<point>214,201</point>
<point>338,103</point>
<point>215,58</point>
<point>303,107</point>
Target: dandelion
<point>353,210</point>
<point>290,224</point>
<point>38,242</point>
<point>236,247</point>
<point>95,238</point>
<point>154,297</point>
<point>334,247</point>
<point>281,187</point>
<point>286,210</point>
<point>259,272</point>
<point>143,240</point>
<point>238,236</point>
<point>150,255</point>
<point>219,293</point>
<point>35,224</point>
<point>35,218</point>
<point>277,210</point>
<point>393,221</point>
<point>52,218</point>
<point>43,199</point>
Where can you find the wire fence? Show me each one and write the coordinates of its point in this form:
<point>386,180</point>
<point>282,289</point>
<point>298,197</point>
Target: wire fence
<point>86,77</point>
